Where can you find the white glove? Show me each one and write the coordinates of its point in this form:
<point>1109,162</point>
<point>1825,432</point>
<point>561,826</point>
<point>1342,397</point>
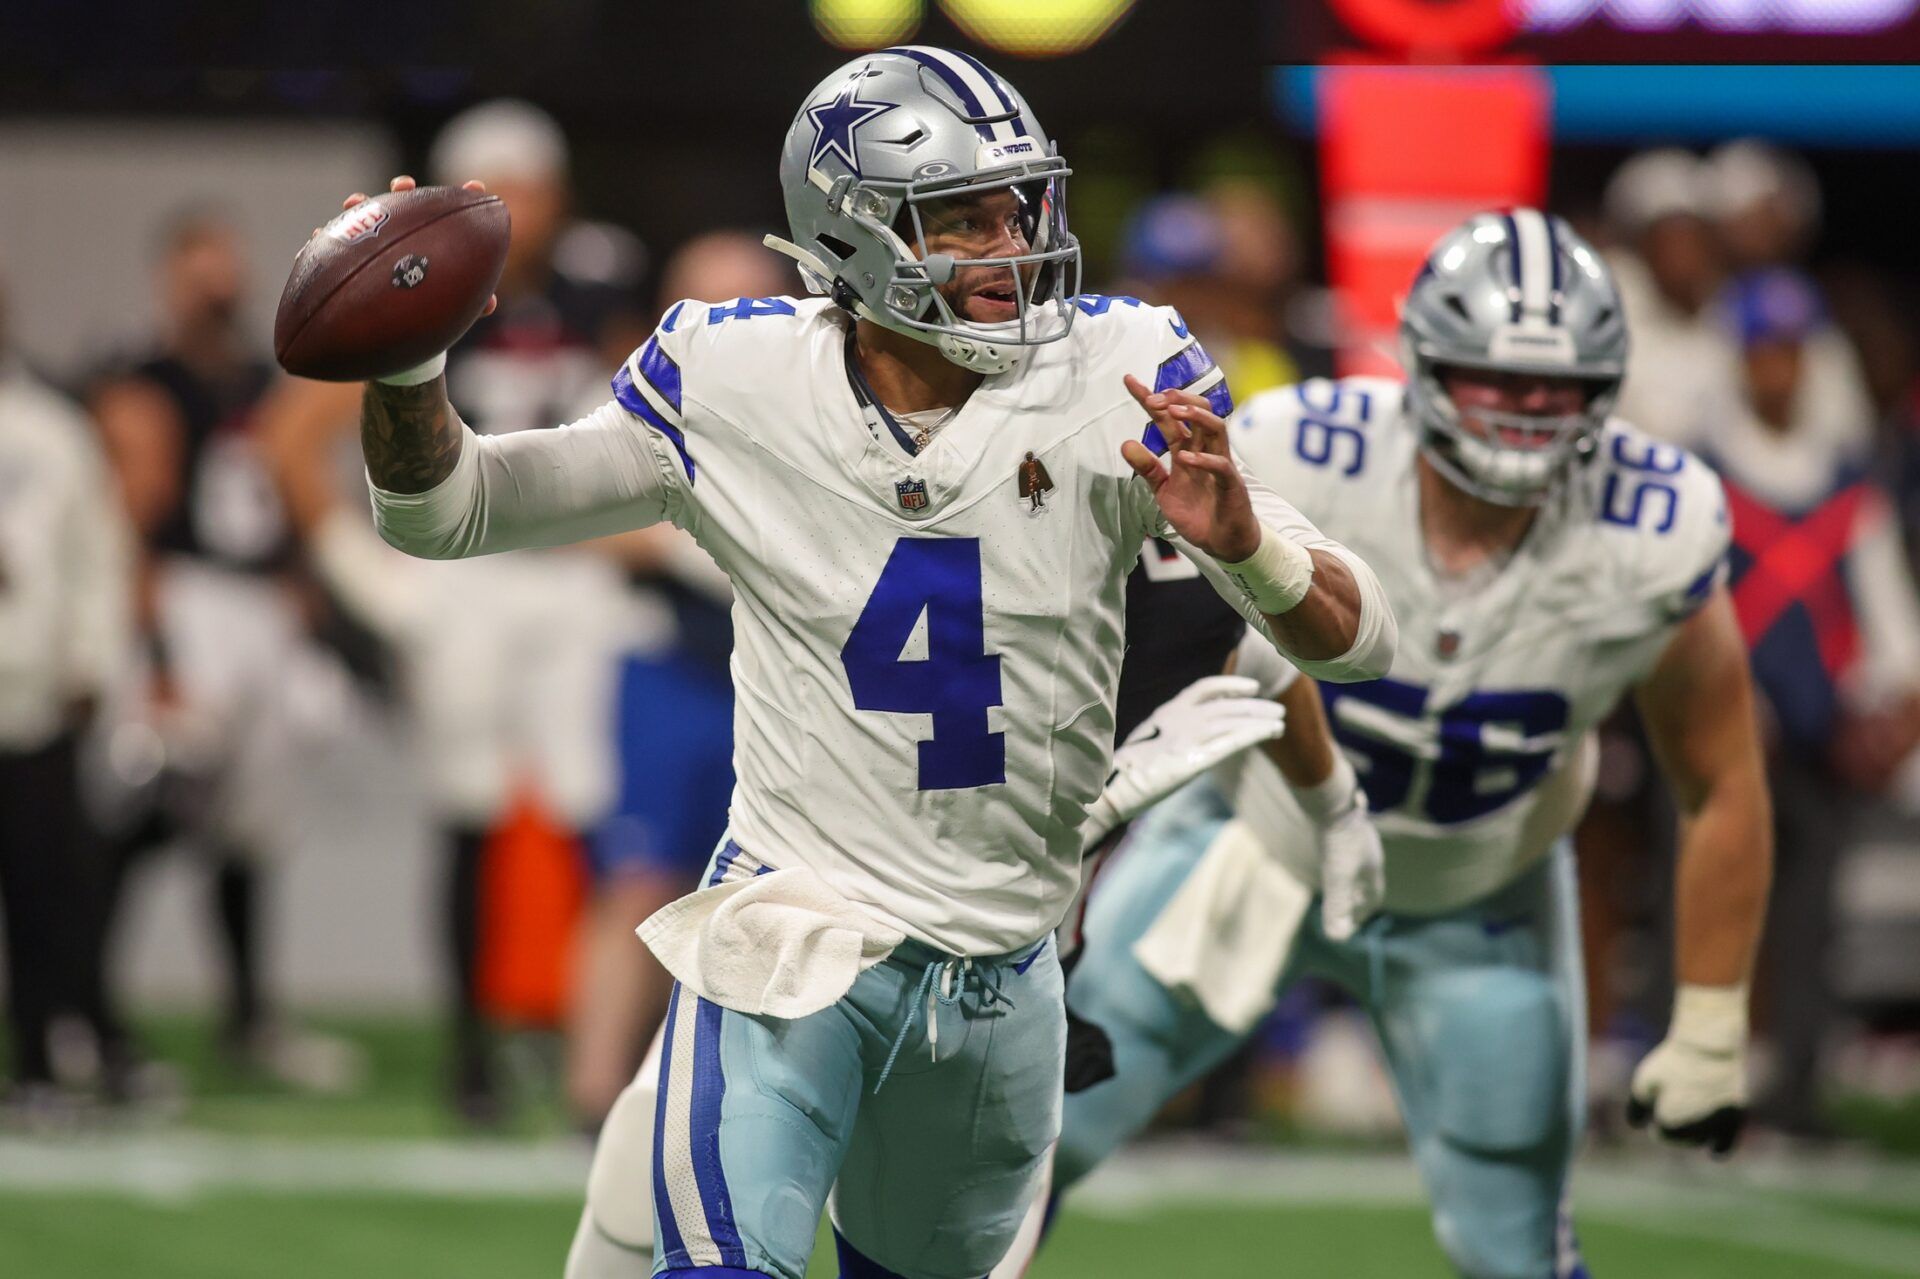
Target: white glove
<point>1196,728</point>
<point>1353,866</point>
<point>1694,1085</point>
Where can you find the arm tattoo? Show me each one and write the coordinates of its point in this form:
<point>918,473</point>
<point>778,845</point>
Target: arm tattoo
<point>410,435</point>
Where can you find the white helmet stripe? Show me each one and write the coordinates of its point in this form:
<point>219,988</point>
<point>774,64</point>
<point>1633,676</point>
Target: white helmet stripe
<point>1533,261</point>
<point>966,72</point>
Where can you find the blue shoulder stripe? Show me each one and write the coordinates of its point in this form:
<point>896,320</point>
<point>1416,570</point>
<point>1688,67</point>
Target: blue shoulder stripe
<point>1181,371</point>
<point>1184,369</point>
<point>662,374</point>
<point>634,401</point>
<point>1221,399</point>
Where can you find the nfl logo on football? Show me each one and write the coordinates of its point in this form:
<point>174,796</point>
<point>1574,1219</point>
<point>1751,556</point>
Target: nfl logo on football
<point>913,494</point>
<point>358,222</point>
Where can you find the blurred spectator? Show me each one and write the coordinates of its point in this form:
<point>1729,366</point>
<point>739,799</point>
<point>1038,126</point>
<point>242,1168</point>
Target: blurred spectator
<point>569,312</point>
<point>1668,269</point>
<point>507,663</point>
<point>1826,600</point>
<point>65,596</point>
<point>570,306</point>
<point>1766,202</point>
<point>1223,265</point>
<point>224,633</point>
<point>505,680</point>
<point>1262,271</point>
<point>1877,315</point>
<point>676,743</point>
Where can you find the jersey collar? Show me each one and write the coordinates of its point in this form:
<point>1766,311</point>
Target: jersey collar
<point>870,406</point>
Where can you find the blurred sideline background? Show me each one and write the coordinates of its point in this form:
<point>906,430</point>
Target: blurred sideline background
<point>320,866</point>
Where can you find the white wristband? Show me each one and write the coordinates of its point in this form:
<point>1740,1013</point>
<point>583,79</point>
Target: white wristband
<point>1710,1018</point>
<point>419,373</point>
<point>1338,794</point>
<point>1276,576</point>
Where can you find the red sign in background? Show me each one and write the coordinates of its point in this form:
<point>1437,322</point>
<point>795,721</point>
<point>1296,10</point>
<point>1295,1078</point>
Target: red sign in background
<point>1407,152</point>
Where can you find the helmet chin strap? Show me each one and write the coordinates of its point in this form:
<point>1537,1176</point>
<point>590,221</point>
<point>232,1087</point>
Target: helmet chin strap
<point>819,279</point>
<point>968,352</point>
<point>981,357</point>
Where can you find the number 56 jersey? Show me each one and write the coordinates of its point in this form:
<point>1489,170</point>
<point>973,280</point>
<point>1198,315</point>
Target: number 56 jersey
<point>1476,750</point>
<point>927,642</point>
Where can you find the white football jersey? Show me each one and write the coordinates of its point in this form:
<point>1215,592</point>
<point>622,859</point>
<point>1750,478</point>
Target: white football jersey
<point>1476,749</point>
<point>926,645</point>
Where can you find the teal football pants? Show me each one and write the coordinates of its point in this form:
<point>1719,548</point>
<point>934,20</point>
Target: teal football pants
<point>1481,1014</point>
<point>925,1100</point>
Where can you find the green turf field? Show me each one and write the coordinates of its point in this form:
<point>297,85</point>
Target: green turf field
<point>326,1236</point>
<point>249,1181</point>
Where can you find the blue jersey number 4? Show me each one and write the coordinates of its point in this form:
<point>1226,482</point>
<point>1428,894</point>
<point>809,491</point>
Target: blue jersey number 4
<point>955,682</point>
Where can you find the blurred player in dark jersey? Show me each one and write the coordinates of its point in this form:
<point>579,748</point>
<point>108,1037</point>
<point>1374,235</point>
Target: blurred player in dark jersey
<point>224,633</point>
<point>508,664</point>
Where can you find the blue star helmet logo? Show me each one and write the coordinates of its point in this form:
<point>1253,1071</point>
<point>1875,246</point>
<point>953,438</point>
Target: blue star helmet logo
<point>834,124</point>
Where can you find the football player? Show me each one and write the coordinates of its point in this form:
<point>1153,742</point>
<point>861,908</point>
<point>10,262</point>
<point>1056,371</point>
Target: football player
<point>1205,723</point>
<point>1544,560</point>
<point>927,489</point>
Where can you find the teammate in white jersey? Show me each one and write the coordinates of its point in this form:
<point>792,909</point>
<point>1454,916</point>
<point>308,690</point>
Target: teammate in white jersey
<point>1544,561</point>
<point>927,490</point>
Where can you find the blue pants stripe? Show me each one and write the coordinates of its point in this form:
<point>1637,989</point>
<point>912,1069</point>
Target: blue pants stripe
<point>709,1088</point>
<point>672,1247</point>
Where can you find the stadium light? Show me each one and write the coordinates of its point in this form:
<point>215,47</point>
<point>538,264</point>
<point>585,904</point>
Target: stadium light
<point>865,24</point>
<point>1036,28</point>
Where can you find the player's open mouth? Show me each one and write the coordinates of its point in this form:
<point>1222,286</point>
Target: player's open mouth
<point>1517,437</point>
<point>993,305</point>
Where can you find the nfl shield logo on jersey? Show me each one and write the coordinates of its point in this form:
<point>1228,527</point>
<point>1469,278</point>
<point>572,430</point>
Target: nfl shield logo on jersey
<point>913,494</point>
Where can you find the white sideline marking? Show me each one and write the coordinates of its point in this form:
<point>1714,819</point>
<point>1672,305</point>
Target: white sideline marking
<point>1657,1195</point>
<point>1754,1202</point>
<point>180,1166</point>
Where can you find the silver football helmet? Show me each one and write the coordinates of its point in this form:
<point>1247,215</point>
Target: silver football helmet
<point>879,139</point>
<point>1513,292</point>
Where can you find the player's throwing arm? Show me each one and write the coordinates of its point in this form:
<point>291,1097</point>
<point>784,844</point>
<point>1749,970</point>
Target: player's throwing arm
<point>380,294</point>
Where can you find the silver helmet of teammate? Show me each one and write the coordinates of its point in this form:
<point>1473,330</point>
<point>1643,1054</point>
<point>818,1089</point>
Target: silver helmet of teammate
<point>1515,292</point>
<point>879,140</point>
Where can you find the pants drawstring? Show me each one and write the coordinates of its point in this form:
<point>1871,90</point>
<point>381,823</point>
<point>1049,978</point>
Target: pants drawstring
<point>943,981</point>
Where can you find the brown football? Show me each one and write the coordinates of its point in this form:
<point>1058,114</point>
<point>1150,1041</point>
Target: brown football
<point>390,283</point>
